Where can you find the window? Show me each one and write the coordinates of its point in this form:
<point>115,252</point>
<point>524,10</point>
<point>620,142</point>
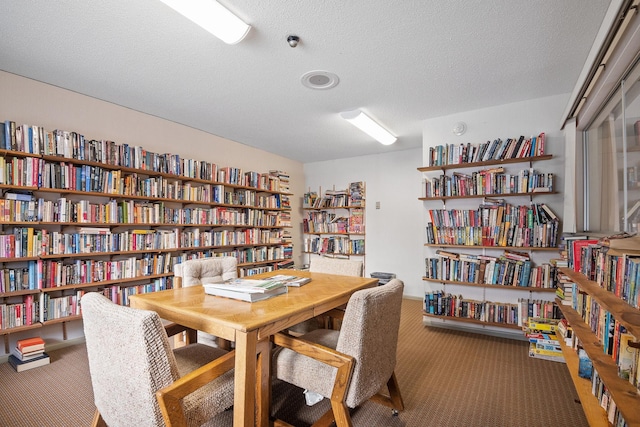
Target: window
<point>612,161</point>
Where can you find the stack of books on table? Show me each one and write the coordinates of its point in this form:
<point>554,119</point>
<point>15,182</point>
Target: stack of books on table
<point>28,354</point>
<point>250,290</point>
<point>290,280</point>
<point>543,341</point>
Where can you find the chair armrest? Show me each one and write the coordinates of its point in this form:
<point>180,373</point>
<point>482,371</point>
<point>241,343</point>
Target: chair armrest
<point>169,397</point>
<point>325,355</point>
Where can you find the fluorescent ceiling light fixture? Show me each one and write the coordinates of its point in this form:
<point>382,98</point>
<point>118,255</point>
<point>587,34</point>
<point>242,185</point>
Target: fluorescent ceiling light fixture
<point>369,126</point>
<point>213,17</point>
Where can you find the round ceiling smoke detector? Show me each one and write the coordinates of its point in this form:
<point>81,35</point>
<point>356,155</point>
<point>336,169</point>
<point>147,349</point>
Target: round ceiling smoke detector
<point>319,80</point>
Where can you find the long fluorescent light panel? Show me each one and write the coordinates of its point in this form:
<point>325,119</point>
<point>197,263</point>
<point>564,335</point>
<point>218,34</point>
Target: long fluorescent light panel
<point>369,126</point>
<point>213,17</point>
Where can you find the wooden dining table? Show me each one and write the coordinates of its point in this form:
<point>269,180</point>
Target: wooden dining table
<point>250,325</point>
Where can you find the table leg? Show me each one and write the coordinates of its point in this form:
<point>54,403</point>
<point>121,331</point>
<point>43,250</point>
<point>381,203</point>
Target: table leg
<point>244,404</point>
<point>263,383</point>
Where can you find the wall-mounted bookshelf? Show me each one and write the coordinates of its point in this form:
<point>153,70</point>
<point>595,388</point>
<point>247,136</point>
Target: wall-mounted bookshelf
<point>81,215</point>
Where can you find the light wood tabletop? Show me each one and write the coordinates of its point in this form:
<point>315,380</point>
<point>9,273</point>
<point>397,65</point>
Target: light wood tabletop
<point>249,325</point>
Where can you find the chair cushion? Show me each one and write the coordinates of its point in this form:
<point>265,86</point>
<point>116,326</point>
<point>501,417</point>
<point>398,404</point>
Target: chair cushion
<point>307,370</point>
<point>212,398</point>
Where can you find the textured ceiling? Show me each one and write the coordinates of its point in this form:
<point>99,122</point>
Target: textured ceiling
<point>400,61</point>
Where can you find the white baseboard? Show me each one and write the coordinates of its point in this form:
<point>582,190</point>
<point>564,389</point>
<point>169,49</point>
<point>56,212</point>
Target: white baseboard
<point>459,326</point>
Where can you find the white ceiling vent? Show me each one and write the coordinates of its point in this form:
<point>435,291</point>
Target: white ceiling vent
<point>319,80</point>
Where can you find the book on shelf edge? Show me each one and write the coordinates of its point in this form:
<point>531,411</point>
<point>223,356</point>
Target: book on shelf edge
<point>244,296</point>
<point>25,365</point>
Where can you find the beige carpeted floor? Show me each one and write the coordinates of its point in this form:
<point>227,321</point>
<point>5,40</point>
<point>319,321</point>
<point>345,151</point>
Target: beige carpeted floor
<point>447,378</point>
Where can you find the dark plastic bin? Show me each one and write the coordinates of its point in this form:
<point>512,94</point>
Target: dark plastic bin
<point>383,278</point>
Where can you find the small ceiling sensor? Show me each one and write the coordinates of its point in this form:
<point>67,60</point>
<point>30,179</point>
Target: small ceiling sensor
<point>293,40</point>
<point>459,128</point>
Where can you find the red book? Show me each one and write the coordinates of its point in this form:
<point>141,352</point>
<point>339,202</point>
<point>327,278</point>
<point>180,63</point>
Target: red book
<point>30,344</point>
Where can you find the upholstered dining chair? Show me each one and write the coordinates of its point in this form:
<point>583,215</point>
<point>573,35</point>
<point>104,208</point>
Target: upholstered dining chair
<point>344,267</point>
<point>139,381</point>
<point>206,270</point>
<point>353,364</point>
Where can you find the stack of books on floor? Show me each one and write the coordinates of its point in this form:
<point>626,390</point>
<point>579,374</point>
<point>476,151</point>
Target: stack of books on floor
<point>250,290</point>
<point>28,354</point>
<point>543,341</point>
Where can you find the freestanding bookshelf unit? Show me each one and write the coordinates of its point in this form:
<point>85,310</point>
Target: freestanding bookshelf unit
<point>334,222</point>
<point>82,215</point>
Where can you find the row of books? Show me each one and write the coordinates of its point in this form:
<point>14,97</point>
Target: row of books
<point>32,242</point>
<point>334,245</point>
<point>46,306</point>
<point>48,274</point>
<point>505,235</point>
<point>38,173</point>
<point>488,182</point>
<point>28,353</point>
<point>350,197</point>
<point>439,303</point>
<point>494,225</point>
<point>72,145</point>
<point>45,274</point>
<point>509,269</point>
<point>330,222</point>
<point>615,269</point>
<point>493,213</point>
<point>130,212</point>
<point>497,149</point>
<point>253,290</point>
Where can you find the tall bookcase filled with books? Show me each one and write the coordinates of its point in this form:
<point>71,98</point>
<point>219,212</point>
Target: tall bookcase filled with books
<point>334,222</point>
<point>600,339</point>
<point>487,232</point>
<point>80,215</point>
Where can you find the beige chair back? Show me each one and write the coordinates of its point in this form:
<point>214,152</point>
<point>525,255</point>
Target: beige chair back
<point>344,267</point>
<point>129,360</point>
<point>207,270</point>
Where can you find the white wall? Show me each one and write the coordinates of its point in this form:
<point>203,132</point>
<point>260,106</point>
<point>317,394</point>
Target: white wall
<point>393,236</point>
<point>526,118</point>
<point>34,103</point>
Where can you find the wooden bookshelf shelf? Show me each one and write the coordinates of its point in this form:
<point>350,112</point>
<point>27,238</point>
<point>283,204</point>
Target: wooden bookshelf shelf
<point>515,248</point>
<point>107,282</point>
<point>622,391</point>
<point>493,195</point>
<point>486,163</point>
<point>467,320</point>
<point>488,285</point>
<point>596,416</point>
<point>628,316</point>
